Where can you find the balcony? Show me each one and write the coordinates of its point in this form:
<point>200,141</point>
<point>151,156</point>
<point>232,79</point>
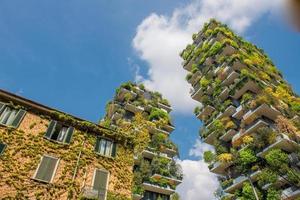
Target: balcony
<point>239,112</point>
<point>228,135</point>
<point>206,110</point>
<point>165,107</point>
<point>211,138</point>
<point>220,167</point>
<point>282,142</point>
<point>168,127</point>
<point>170,152</point>
<point>173,181</point>
<point>239,181</point>
<point>197,93</point>
<point>195,78</point>
<point>122,94</point>
<point>224,94</point>
<point>280,182</point>
<point>263,110</point>
<point>228,50</point>
<point>116,116</point>
<point>290,193</point>
<point>210,90</point>
<point>133,108</point>
<point>227,113</point>
<point>137,196</point>
<point>158,189</point>
<point>249,129</point>
<point>230,78</point>
<point>150,154</point>
<point>187,65</point>
<point>238,66</point>
<point>249,85</point>
<point>158,130</point>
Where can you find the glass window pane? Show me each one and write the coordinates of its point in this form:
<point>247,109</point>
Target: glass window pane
<point>46,169</point>
<point>62,134</point>
<point>12,117</point>
<point>102,146</point>
<point>108,148</point>
<point>5,115</point>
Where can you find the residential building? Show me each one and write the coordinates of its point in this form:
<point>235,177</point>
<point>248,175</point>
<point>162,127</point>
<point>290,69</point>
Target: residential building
<point>156,173</point>
<point>48,154</point>
<point>250,115</point>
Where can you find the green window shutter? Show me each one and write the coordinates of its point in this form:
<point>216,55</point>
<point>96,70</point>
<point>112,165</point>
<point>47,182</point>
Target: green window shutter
<point>51,129</point>
<point>114,150</point>
<point>18,118</point>
<point>46,169</point>
<point>2,148</point>
<point>100,183</point>
<point>69,135</point>
<point>97,144</point>
<point>2,106</point>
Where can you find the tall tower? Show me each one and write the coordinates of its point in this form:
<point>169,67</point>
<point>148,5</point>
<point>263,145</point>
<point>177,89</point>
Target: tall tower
<point>250,115</point>
<point>156,173</point>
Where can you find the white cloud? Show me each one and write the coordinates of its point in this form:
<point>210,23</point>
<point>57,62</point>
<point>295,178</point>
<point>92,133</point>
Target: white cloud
<point>159,40</point>
<point>197,178</point>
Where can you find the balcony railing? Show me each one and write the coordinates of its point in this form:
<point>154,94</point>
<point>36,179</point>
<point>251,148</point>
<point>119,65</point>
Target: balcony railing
<point>282,142</point>
<point>167,190</point>
<point>247,85</point>
<point>230,78</point>
<point>220,167</point>
<point>290,193</point>
<point>263,110</point>
<point>165,107</point>
<point>173,180</point>
<point>239,112</point>
<point>228,135</point>
<point>133,108</point>
<point>122,94</point>
<point>205,111</point>
<point>239,181</point>
<point>195,78</point>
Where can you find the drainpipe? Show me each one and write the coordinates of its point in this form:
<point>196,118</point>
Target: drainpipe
<point>77,163</point>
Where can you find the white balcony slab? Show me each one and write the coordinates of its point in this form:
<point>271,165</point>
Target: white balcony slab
<point>158,189</point>
<point>262,110</point>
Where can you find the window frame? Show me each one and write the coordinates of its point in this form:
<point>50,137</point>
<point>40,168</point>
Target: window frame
<point>38,167</point>
<point>113,145</point>
<point>66,134</point>
<point>107,181</point>
<point>6,105</point>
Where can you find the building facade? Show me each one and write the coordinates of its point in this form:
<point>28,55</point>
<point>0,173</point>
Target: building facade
<point>156,173</point>
<point>48,154</point>
<point>250,115</point>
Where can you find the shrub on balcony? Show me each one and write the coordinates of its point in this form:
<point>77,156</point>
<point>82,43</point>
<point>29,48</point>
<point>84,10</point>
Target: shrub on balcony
<point>267,176</point>
<point>248,140</point>
<point>216,47</point>
<point>245,159</point>
<point>204,82</point>
<point>157,114</point>
<point>273,194</point>
<point>225,184</point>
<point>197,110</point>
<point>246,97</point>
<point>248,194</point>
<point>225,157</point>
<point>285,125</point>
<point>188,76</point>
<point>208,157</point>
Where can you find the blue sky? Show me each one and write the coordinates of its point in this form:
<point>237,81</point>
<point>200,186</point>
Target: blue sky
<point>73,54</point>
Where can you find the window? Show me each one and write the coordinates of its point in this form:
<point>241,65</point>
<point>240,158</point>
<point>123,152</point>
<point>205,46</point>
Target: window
<point>100,182</point>
<point>105,147</point>
<point>2,148</point>
<point>9,116</point>
<point>46,169</point>
<point>59,133</point>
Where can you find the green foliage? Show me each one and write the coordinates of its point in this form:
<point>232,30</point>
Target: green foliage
<point>267,176</point>
<point>248,193</point>
<point>208,156</point>
<point>204,82</point>
<point>157,114</point>
<point>276,158</point>
<point>273,194</point>
<point>246,158</point>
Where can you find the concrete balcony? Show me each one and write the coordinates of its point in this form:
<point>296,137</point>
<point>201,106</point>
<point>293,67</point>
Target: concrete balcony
<point>240,111</point>
<point>211,138</point>
<point>239,181</point>
<point>136,160</point>
<point>123,92</point>
<point>116,116</point>
<point>238,66</point>
<point>227,113</point>
<point>249,130</point>
<point>133,108</point>
<point>210,90</point>
<point>171,180</point>
<point>165,107</point>
<point>230,78</point>
<point>188,65</point>
<point>220,167</point>
<point>291,193</point>
<point>207,110</point>
<point>280,182</point>
<point>228,50</point>
<point>158,189</point>
<point>195,78</point>
<point>197,93</point>
<point>158,130</point>
<point>137,196</point>
<point>170,152</point>
<point>228,135</point>
<point>224,94</point>
<point>249,85</point>
<point>148,154</point>
<point>263,110</point>
<point>282,142</point>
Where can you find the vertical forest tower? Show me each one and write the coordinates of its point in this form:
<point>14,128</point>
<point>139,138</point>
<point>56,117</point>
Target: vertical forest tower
<point>250,115</point>
<point>156,173</point>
